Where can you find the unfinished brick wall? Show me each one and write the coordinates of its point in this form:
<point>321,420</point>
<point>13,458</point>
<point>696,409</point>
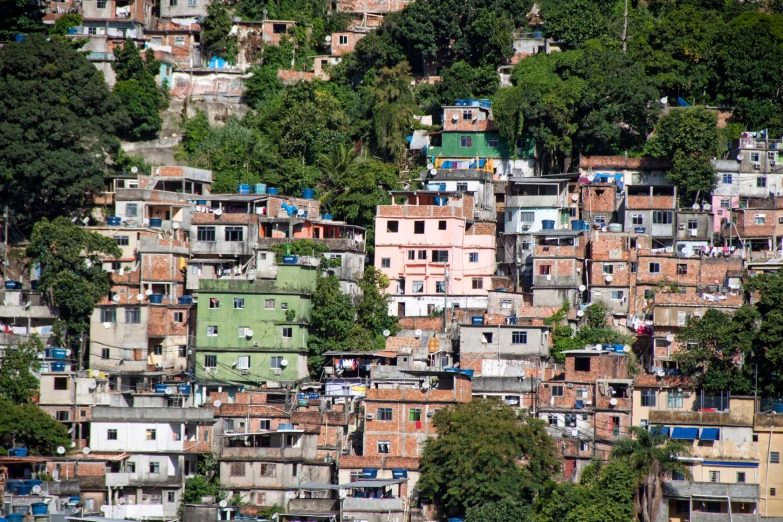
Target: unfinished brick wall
<point>598,198</point>
<point>162,267</point>
<point>602,366</point>
<point>162,320</point>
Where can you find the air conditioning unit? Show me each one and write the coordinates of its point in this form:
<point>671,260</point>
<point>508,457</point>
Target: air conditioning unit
<point>757,166</point>
<point>525,225</point>
<point>370,416</point>
<point>570,385</point>
<point>346,516</point>
<point>255,344</point>
<point>277,372</point>
<point>244,372</point>
<point>686,394</point>
<point>681,226</point>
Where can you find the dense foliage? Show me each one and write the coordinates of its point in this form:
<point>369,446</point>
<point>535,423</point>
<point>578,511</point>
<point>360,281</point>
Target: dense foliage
<point>593,331</point>
<point>137,90</point>
<point>18,384</point>
<point>29,426</point>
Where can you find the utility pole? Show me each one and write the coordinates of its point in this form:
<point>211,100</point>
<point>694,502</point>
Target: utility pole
<point>625,26</point>
<point>445,292</point>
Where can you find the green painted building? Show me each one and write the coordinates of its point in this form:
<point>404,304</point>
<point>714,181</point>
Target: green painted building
<point>249,332</point>
<point>490,144</point>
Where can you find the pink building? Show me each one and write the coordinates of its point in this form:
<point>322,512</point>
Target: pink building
<point>433,252</point>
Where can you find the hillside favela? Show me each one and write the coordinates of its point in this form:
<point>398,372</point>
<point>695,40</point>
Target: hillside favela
<point>391,260</point>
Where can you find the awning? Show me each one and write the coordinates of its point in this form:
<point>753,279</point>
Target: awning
<point>685,433</point>
<point>660,430</point>
<point>710,434</point>
<point>730,464</point>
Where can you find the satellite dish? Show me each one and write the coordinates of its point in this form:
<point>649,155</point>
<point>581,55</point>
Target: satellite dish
<point>223,503</point>
<point>93,384</point>
<point>86,450</point>
<point>175,225</point>
<point>430,166</point>
<point>168,391</point>
<point>626,349</point>
<point>574,197</point>
<point>61,450</point>
<point>664,100</point>
<point>36,489</point>
<point>582,288</point>
<point>218,212</point>
<point>248,333</point>
<point>609,279</point>
<point>386,333</point>
<point>740,157</point>
<point>148,292</point>
<point>217,404</point>
<point>670,337</point>
<point>343,493</point>
<point>417,333</point>
<point>696,206</point>
<point>454,117</point>
<point>328,38</point>
<point>425,385</point>
<point>580,313</point>
<point>706,206</point>
<point>146,222</point>
<point>613,401</point>
<point>660,372</point>
<point>140,297</point>
<point>115,298</point>
<point>73,444</point>
<point>284,363</point>
<point>68,352</point>
<point>86,221</point>
<point>598,347</point>
<point>588,347</point>
<point>433,171</point>
<point>134,169</point>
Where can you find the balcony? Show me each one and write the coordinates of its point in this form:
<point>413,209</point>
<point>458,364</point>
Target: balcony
<point>711,491</point>
<point>314,505</point>
<point>372,504</point>
<point>120,480</point>
<point>698,516</point>
<point>334,244</point>
<point>698,418</point>
<point>134,511</point>
<point>556,281</point>
<point>117,480</point>
<point>553,200</point>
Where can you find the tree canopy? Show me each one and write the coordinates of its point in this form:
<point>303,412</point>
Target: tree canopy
<point>29,426</point>
<point>137,90</point>
<point>18,384</point>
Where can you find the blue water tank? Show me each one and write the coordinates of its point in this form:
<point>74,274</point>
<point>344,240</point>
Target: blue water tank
<point>56,367</point>
<point>285,427</point>
<point>290,260</point>
<point>399,473</point>
<point>114,221</point>
<point>579,224</point>
<point>308,193</point>
<point>778,407</point>
<point>326,217</point>
<point>370,473</point>
<point>184,389</point>
<point>272,191</point>
<point>156,298</point>
<point>14,517</point>
<point>548,224</point>
<point>56,353</point>
<point>10,284</point>
<point>477,319</point>
<point>33,482</point>
<point>640,230</point>
<point>260,188</point>
<point>160,388</point>
<point>467,373</point>
<point>19,37</point>
<point>156,222</point>
<point>243,189</point>
<point>73,30</point>
<point>39,508</point>
<point>185,299</point>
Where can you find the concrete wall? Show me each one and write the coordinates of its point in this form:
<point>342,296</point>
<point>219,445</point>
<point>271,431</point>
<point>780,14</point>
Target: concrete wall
<point>472,340</point>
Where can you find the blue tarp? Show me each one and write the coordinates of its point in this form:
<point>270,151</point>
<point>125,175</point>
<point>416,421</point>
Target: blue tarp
<point>682,102</point>
<point>660,430</point>
<point>709,434</point>
<point>685,433</point>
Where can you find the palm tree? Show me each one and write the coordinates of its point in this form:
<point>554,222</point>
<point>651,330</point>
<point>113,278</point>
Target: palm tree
<point>654,457</point>
<point>333,166</point>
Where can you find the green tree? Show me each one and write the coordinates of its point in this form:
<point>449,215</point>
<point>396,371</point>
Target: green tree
<point>393,106</point>
<point>485,452</point>
<point>18,385</point>
<point>216,34</point>
<point>572,22</point>
<point>653,458</point>
<point>20,16</point>
<point>137,89</point>
<point>461,80</point>
<point>72,275</point>
<point>505,510</point>
<point>58,121</point>
<point>596,315</point>
<point>205,484</point>
<point>64,23</point>
<point>30,426</point>
<point>372,310</point>
<point>196,131</point>
<point>262,86</point>
<point>331,322</point>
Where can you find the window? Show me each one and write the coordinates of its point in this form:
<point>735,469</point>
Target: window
<point>383,446</point>
<point>214,303</point>
<point>105,353</point>
<point>463,187</point>
<point>385,262</point>
<point>634,267</point>
<point>662,217</point>
<point>111,434</point>
<point>465,141</point>
<point>518,337</point>
<point>682,506</point>
<point>418,227</point>
<point>440,287</point>
<point>506,304</point>
<point>414,415</point>
<point>682,318</point>
<point>418,287</point>
<point>265,425</point>
<point>343,39</point>
<point>618,295</point>
<point>693,224</point>
<point>473,257</point>
<point>243,362</point>
<point>557,391</point>
<point>173,3</point>
<point>440,256</point>
<point>101,4</point>
<point>133,315</point>
<point>210,361</point>
<point>710,507</point>
<point>582,364</point>
<point>584,446</point>
<point>527,217</point>
<point>674,399</point>
<point>615,426</point>
<point>608,269</point>
<point>276,362</point>
<point>526,245</point>
<point>422,255</point>
<point>740,476</point>
<point>278,28</point>
<point>157,349</point>
<point>648,398</point>
<point>441,225</point>
<point>467,115</point>
<point>384,414</point>
<point>179,317</point>
<point>183,350</point>
<point>411,255</point>
<point>477,283</point>
<point>637,219</point>
<point>268,470</point>
<point>239,303</point>
<point>212,331</point>
<point>287,332</point>
<point>205,234</point>
<point>726,181</point>
<point>234,233</point>
<point>655,268</point>
<point>487,337</point>
<point>725,203</point>
<point>392,226</point>
<point>760,219</point>
<point>493,143</point>
<point>761,181</point>
<point>172,495</point>
<point>63,415</point>
<point>544,269</point>
<point>755,157</point>
<point>131,210</point>
<point>772,492</point>
<point>714,476</point>
<point>755,437</point>
<point>122,240</point>
<point>552,420</point>
<point>237,469</point>
<point>682,268</point>
<point>269,304</point>
<point>108,315</point>
<point>774,457</point>
<point>151,434</point>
